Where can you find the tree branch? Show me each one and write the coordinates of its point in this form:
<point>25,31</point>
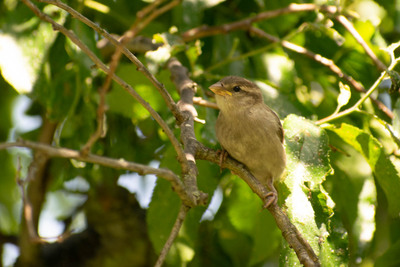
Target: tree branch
<point>323,61</point>
<point>350,27</point>
<point>244,24</point>
<point>187,89</point>
<point>33,191</point>
<point>172,236</point>
<point>367,95</point>
<point>140,67</point>
<point>51,151</point>
<point>127,87</point>
<point>205,103</point>
<point>115,59</point>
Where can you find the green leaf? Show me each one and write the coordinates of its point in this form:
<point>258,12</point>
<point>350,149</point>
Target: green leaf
<point>383,168</point>
<point>123,103</point>
<point>244,206</point>
<point>162,213</point>
<point>390,258</point>
<point>309,206</point>
<point>266,238</point>
<point>247,216</point>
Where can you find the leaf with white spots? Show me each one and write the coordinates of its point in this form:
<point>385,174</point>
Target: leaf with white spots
<point>308,205</point>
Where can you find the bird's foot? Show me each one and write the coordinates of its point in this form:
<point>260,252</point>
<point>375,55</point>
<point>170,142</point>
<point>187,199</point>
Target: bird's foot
<point>271,198</point>
<point>223,154</point>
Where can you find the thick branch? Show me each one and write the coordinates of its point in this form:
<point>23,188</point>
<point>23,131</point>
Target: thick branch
<point>187,89</point>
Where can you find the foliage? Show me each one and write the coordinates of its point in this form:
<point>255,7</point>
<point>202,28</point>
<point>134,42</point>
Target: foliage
<point>342,184</point>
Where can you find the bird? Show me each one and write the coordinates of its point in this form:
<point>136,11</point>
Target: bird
<point>250,132</point>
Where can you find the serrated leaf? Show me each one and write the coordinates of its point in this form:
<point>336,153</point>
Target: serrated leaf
<point>383,168</point>
<point>309,206</point>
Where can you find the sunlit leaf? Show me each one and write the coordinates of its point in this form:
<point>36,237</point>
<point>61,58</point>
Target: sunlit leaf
<point>23,47</point>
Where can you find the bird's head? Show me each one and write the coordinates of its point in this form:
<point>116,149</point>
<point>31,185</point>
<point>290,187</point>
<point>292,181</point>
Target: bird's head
<point>234,92</point>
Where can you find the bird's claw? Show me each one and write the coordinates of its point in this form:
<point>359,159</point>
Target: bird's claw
<point>223,154</point>
<point>271,198</point>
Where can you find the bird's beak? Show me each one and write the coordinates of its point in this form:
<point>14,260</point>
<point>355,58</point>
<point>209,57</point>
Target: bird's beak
<point>219,89</point>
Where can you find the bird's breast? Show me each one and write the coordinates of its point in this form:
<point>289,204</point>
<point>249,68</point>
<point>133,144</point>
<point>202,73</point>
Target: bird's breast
<point>253,140</point>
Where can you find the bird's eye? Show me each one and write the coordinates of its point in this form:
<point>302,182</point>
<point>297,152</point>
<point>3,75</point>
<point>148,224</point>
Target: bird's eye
<point>237,88</point>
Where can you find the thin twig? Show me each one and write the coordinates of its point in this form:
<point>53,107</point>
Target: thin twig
<point>127,87</point>
<point>115,59</point>
<point>350,27</point>
<point>152,13</point>
<point>367,95</point>
<point>323,61</point>
<point>140,67</point>
<point>101,120</point>
<point>172,236</point>
<point>149,8</point>
<point>119,164</point>
<point>27,210</point>
<point>244,24</point>
<point>205,103</point>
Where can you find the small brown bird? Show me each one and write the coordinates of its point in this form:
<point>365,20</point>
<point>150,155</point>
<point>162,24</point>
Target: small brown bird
<point>250,131</point>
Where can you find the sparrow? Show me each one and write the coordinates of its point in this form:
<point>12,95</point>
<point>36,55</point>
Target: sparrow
<point>250,131</point>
